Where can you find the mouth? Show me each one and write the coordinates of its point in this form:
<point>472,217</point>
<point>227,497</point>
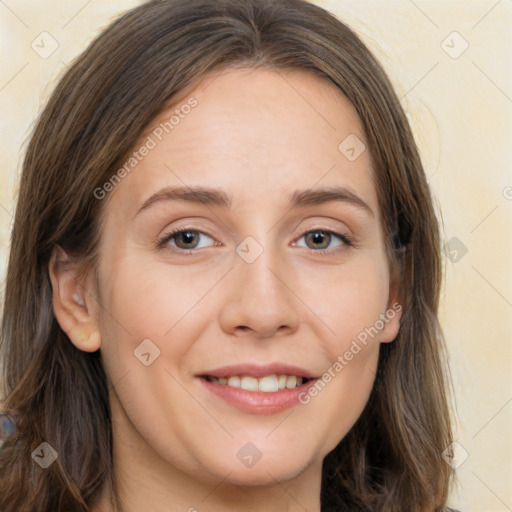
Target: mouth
<point>267,384</point>
<point>258,389</point>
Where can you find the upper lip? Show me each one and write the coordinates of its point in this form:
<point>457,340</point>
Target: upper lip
<point>259,370</point>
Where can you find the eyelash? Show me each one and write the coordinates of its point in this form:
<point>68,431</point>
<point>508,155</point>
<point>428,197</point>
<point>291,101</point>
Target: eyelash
<point>164,240</point>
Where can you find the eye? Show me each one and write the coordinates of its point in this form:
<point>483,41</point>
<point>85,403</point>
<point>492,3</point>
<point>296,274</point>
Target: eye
<point>187,239</point>
<point>320,239</point>
<point>184,239</point>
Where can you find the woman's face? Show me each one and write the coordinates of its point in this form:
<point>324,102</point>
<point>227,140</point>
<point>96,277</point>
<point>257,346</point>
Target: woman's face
<point>280,272</point>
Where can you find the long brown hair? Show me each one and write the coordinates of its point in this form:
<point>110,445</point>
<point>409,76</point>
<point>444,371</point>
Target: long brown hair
<point>391,459</point>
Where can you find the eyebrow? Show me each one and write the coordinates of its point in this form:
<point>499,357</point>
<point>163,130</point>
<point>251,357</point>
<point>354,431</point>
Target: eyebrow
<point>217,197</point>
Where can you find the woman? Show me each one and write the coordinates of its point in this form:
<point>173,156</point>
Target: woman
<point>173,337</point>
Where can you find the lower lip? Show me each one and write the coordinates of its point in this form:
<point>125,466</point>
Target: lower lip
<point>258,402</point>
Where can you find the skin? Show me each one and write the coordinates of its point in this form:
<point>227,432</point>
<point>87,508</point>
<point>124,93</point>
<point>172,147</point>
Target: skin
<point>258,135</point>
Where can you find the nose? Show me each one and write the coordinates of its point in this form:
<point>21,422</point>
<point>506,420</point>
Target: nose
<point>259,300</point>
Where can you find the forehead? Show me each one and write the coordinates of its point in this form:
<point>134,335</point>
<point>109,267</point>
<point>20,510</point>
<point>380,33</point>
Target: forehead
<point>257,133</point>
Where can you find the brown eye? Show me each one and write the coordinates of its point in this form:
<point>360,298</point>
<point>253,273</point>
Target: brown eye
<point>185,239</point>
<point>318,239</point>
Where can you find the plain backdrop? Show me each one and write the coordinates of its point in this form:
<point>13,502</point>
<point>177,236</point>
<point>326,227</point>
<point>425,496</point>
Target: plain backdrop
<point>450,63</point>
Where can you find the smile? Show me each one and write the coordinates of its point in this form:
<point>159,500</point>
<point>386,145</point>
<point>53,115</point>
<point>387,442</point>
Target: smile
<point>266,384</point>
<point>263,389</point>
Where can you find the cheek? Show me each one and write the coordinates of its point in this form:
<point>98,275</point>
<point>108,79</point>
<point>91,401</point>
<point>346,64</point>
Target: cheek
<point>348,299</point>
<point>350,303</point>
<point>153,300</point>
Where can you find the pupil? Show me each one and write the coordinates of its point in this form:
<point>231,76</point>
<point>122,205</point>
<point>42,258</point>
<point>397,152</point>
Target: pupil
<point>187,237</point>
<point>318,236</point>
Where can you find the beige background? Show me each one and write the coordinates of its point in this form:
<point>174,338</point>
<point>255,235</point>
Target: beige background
<point>460,108</point>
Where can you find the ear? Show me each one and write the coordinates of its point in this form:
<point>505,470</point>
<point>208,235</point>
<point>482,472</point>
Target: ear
<point>72,304</point>
<point>393,313</point>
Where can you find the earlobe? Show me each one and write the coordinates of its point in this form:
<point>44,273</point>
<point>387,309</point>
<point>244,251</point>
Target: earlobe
<point>70,304</point>
<point>393,314</point>
<point>392,319</point>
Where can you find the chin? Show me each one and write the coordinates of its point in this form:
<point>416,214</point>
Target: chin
<point>265,472</point>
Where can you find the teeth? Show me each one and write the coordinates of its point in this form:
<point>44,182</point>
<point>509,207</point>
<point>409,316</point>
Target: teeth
<point>267,384</point>
<point>291,382</point>
<point>249,383</point>
<point>233,382</point>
